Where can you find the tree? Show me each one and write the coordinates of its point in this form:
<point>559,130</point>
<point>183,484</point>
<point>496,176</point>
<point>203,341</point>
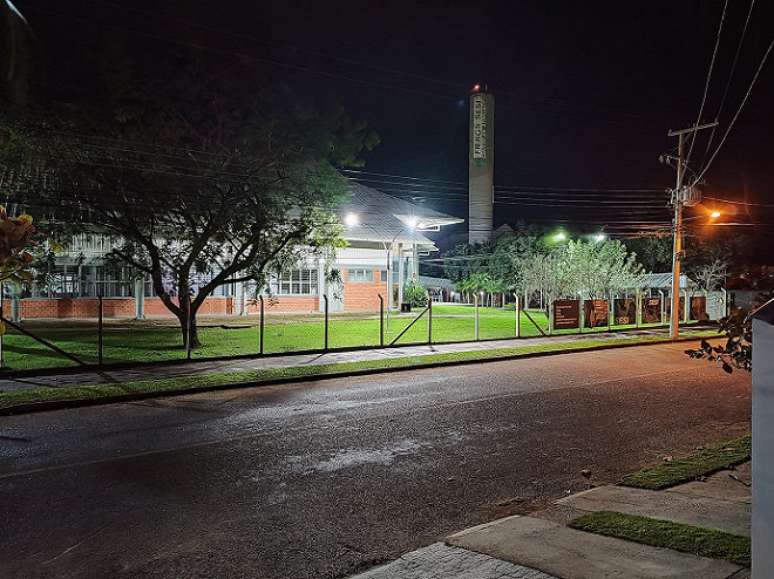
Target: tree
<point>15,240</point>
<point>202,186</point>
<point>711,275</point>
<point>654,253</point>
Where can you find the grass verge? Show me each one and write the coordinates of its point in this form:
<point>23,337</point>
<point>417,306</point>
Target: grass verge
<point>658,533</point>
<point>26,400</point>
<point>700,463</point>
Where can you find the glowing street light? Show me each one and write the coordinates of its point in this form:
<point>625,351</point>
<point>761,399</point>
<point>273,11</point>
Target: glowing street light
<point>600,237</point>
<point>715,214</point>
<point>412,222</point>
<point>351,220</point>
<point>560,236</point>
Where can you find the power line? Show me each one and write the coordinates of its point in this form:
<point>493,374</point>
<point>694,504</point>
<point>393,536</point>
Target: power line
<point>738,112</point>
<point>244,36</point>
<point>730,78</point>
<point>707,83</point>
<point>738,202</point>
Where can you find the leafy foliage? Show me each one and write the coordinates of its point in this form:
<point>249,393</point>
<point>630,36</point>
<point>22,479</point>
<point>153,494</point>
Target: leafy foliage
<point>526,262</point>
<point>205,181</point>
<point>736,352</point>
<point>415,294</point>
<point>15,240</point>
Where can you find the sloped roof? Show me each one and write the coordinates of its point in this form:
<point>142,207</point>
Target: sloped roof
<point>386,218</point>
<point>436,282</point>
<point>664,280</point>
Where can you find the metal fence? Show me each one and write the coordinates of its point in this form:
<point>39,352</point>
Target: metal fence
<point>40,344</point>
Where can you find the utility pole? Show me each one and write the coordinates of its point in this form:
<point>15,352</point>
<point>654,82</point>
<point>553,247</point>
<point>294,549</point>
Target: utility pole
<point>680,196</point>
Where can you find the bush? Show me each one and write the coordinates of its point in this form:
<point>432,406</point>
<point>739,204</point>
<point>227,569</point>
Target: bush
<point>415,294</point>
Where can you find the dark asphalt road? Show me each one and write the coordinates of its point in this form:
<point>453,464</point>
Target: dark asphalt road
<point>321,479</point>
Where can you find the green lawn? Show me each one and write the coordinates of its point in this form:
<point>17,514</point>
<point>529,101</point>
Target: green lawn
<point>660,533</point>
<point>150,341</point>
<point>702,462</point>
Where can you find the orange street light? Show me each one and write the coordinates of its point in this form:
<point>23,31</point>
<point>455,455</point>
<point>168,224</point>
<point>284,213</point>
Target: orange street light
<point>715,214</point>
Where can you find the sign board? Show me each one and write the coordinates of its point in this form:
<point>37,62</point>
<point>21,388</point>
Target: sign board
<point>566,314</point>
<point>651,310</point>
<point>625,311</point>
<point>595,313</point>
<point>699,308</point>
<point>716,305</point>
<point>680,311</point>
<point>479,142</point>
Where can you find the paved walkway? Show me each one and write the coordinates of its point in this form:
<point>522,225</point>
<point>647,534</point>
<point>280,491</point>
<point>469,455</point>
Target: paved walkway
<point>241,364</point>
<point>541,546</point>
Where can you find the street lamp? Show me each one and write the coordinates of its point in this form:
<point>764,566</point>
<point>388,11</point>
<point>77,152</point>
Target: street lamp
<point>559,236</point>
<point>351,220</point>
<point>715,214</point>
<point>600,237</point>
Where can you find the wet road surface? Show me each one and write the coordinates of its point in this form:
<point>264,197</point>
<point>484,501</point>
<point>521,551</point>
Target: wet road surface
<point>323,479</point>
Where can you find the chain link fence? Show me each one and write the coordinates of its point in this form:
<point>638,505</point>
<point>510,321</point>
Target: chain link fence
<point>97,336</point>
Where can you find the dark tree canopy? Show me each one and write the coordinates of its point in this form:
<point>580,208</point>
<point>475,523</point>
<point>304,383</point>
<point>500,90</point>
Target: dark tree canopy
<point>204,180</point>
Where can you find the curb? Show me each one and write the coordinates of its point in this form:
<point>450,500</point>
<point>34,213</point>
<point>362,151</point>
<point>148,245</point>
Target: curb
<point>32,407</point>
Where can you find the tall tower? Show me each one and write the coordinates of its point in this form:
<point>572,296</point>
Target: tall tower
<point>481,165</point>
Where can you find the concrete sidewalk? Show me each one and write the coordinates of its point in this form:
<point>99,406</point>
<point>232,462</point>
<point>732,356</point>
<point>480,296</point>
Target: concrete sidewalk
<point>542,546</point>
<point>156,371</point>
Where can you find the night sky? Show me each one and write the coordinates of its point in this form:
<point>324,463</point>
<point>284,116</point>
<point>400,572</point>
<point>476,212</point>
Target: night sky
<point>585,91</point>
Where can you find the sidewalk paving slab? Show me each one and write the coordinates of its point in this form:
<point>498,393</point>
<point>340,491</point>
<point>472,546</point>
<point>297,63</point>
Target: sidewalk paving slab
<point>690,509</point>
<point>721,485</point>
<point>440,561</point>
<point>178,368</point>
<point>572,554</point>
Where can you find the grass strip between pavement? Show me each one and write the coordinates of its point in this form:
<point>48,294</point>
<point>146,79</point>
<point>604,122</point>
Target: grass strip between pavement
<point>703,462</point>
<point>25,400</point>
<point>659,533</point>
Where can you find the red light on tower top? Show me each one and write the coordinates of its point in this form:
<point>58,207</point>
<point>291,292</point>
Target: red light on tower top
<point>476,87</point>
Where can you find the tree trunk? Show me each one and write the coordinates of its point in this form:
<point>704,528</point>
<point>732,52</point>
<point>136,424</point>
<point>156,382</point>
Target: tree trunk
<point>188,326</point>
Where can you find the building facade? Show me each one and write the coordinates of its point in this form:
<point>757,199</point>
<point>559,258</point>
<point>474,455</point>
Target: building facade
<point>385,239</point>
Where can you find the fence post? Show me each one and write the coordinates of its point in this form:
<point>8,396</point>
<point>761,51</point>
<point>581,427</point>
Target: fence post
<point>581,315</point>
<point>638,308</point>
<point>2,321</point>
<point>429,320</point>
<point>260,326</point>
<point>663,306</point>
<point>686,307</point>
<point>610,310</point>
<point>100,343</point>
<point>188,328</point>
<point>381,321</point>
<point>325,299</point>
<point>517,309</point>
<point>475,317</point>
<point>550,316</point>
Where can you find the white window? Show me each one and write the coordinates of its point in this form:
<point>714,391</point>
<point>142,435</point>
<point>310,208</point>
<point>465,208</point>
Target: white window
<point>361,275</point>
<point>296,282</point>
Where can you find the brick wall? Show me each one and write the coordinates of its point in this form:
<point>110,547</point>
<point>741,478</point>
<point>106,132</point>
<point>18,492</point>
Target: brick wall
<point>363,296</point>
<point>286,304</point>
<point>74,308</point>
<point>212,306</point>
<point>37,308</point>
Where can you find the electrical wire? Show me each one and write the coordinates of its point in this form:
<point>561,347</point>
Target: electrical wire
<point>707,83</point>
<point>728,82</point>
<point>738,112</point>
